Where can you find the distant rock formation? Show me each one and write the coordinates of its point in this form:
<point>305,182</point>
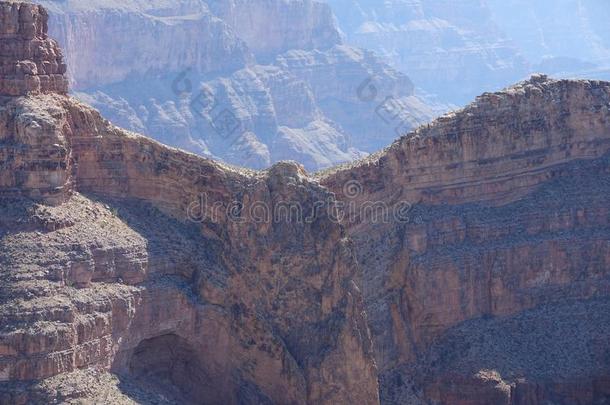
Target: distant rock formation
<point>249,82</point>
<point>546,30</point>
<point>450,48</point>
<point>457,49</point>
<point>273,27</point>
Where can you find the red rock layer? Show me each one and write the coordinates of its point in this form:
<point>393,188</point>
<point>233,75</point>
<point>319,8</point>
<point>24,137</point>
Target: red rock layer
<point>156,264</point>
<point>143,266</point>
<point>30,62</point>
<point>507,216</point>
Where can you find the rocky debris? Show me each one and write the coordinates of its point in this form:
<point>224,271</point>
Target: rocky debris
<point>553,353</point>
<point>31,62</point>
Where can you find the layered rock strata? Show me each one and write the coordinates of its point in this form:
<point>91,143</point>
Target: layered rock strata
<point>506,212</point>
<point>122,255</point>
<point>137,273</point>
<point>30,62</point>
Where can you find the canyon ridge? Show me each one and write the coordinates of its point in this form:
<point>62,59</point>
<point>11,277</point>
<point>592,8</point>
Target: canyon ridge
<point>466,263</point>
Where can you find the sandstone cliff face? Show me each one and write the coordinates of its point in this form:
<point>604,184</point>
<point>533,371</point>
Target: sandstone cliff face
<point>30,61</point>
<point>114,260</point>
<point>137,273</point>
<point>507,218</point>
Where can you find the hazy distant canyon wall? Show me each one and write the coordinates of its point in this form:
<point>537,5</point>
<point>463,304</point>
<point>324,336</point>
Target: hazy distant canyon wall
<point>250,82</point>
<point>458,49</point>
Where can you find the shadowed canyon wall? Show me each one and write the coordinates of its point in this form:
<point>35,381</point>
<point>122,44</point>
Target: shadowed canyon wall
<point>118,268</point>
<point>137,273</point>
<point>508,212</point>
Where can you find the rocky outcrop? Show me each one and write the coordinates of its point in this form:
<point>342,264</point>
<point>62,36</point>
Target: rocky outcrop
<point>31,62</point>
<point>125,259</point>
<point>120,280</point>
<point>487,151</point>
<point>502,216</point>
<point>466,263</point>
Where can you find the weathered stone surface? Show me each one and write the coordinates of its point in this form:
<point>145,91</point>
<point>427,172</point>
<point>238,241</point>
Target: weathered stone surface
<point>30,62</point>
<point>506,217</point>
<point>143,261</point>
<point>137,273</point>
<point>121,276</point>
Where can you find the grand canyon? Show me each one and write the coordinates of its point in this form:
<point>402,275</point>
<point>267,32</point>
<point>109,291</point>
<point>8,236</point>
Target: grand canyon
<point>467,262</point>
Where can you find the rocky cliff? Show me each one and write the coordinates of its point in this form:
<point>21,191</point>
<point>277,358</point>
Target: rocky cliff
<point>122,255</point>
<point>31,62</point>
<point>212,78</point>
<point>467,263</point>
<point>492,284</point>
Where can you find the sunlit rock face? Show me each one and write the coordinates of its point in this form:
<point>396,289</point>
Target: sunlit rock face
<point>117,269</point>
<point>31,62</point>
<point>248,82</point>
<point>492,286</point>
<point>133,272</point>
